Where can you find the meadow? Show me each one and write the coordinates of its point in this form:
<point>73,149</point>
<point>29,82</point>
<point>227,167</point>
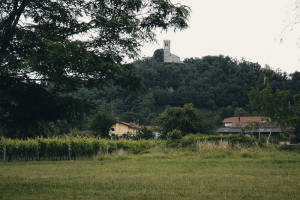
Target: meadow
<point>208,172</point>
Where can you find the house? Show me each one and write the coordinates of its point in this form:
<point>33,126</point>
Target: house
<point>121,128</point>
<point>251,125</point>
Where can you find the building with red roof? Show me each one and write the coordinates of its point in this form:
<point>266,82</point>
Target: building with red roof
<point>248,125</point>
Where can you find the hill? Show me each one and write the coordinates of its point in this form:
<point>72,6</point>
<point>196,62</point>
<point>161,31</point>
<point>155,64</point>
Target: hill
<point>217,85</point>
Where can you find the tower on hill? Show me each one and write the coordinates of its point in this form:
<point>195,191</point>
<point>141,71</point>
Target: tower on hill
<point>168,57</point>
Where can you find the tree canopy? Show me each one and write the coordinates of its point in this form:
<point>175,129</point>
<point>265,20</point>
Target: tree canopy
<point>49,47</point>
<point>280,106</point>
<point>217,86</point>
<point>158,55</point>
<point>101,124</point>
<point>186,119</point>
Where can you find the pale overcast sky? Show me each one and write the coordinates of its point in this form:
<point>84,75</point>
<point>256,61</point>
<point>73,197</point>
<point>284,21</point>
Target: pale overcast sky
<point>256,30</point>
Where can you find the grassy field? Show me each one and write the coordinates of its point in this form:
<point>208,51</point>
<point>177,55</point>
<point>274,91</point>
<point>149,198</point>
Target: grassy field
<point>220,174</point>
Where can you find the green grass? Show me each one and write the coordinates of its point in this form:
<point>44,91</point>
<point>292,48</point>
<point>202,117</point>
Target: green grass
<point>207,174</point>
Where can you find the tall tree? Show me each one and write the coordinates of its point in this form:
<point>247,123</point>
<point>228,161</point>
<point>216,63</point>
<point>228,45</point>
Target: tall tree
<point>276,106</point>
<point>40,42</point>
<point>296,118</point>
<point>280,106</point>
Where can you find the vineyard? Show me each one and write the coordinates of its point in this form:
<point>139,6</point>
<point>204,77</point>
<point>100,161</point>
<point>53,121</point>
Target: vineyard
<point>68,148</point>
<point>72,148</point>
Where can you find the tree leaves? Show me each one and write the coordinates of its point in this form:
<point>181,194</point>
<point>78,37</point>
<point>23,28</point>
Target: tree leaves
<point>113,29</point>
<point>279,106</point>
<point>68,44</point>
<point>186,119</point>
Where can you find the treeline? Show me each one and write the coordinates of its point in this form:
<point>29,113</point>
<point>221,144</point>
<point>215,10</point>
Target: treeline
<point>216,85</point>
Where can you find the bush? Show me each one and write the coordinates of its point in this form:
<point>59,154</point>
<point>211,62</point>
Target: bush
<point>158,55</point>
<point>187,119</point>
<point>174,135</point>
<point>231,139</point>
<point>146,134</point>
<point>101,124</point>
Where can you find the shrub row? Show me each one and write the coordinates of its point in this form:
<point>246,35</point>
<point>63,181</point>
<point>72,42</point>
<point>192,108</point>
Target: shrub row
<point>231,139</point>
<point>75,147</point>
<point>67,148</point>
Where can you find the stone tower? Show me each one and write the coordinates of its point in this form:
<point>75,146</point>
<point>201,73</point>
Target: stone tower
<point>168,57</point>
<point>167,48</point>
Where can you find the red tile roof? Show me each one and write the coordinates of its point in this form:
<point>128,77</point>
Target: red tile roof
<point>246,119</point>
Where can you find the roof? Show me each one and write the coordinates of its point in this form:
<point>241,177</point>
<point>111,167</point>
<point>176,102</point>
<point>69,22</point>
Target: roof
<point>229,130</point>
<point>245,119</point>
<point>239,130</point>
<point>131,125</point>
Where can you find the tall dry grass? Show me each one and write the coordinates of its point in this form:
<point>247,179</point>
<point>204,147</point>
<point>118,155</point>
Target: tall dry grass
<point>210,147</point>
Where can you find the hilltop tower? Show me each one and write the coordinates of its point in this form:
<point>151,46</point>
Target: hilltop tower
<point>168,57</point>
<point>167,48</point>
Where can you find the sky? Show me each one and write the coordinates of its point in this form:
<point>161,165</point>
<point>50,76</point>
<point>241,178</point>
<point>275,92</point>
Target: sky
<point>263,31</point>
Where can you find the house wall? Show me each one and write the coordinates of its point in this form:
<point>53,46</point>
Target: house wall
<point>171,58</point>
<point>238,124</point>
<point>228,124</point>
<point>121,129</point>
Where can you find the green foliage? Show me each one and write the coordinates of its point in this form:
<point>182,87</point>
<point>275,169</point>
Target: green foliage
<point>278,106</point>
<point>87,147</point>
<point>216,85</point>
<point>281,107</point>
<point>174,135</point>
<point>158,55</point>
<point>253,126</point>
<point>58,148</point>
<point>40,60</point>
<point>129,117</point>
<point>145,133</point>
<point>101,124</point>
<point>240,112</point>
<point>186,119</point>
<point>296,118</point>
<point>26,109</point>
<point>293,83</point>
<point>231,139</point>
<point>295,148</point>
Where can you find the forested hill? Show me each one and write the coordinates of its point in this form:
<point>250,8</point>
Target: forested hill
<point>216,85</point>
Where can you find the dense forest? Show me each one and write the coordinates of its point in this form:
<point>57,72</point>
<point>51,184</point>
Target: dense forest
<point>217,85</point>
